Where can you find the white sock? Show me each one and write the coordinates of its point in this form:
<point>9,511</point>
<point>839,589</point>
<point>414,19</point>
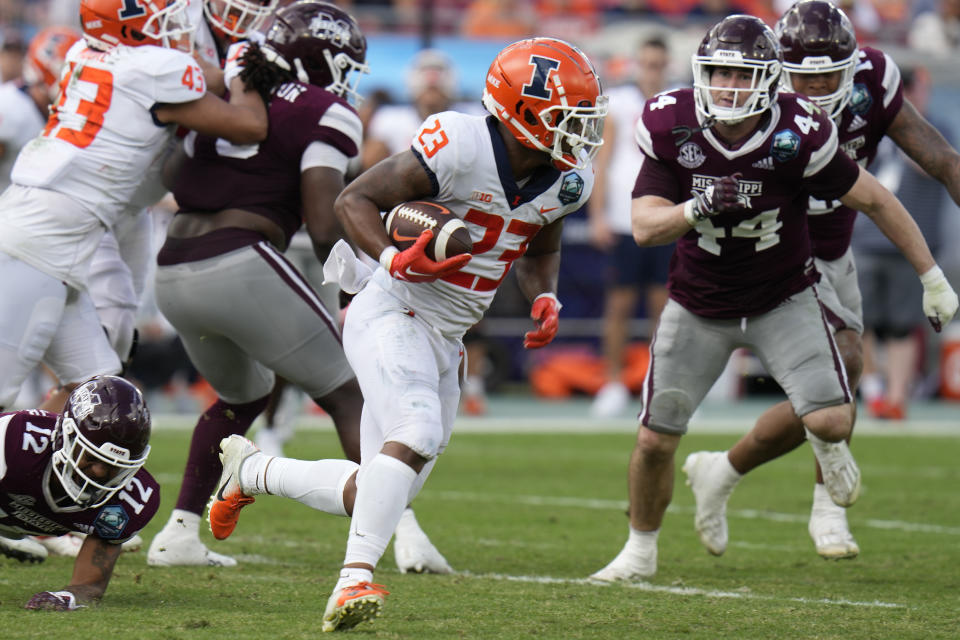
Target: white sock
<point>316,483</point>
<point>871,386</point>
<point>639,547</point>
<point>729,475</point>
<point>473,386</point>
<point>822,500</point>
<point>381,499</point>
<point>350,576</point>
<point>181,520</point>
<point>641,541</point>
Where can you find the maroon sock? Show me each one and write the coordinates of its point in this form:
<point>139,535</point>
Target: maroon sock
<point>220,420</point>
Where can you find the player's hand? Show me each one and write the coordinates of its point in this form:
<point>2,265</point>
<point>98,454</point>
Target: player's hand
<point>545,313</point>
<point>53,601</point>
<point>939,298</point>
<point>720,197</point>
<point>233,64</point>
<point>413,265</point>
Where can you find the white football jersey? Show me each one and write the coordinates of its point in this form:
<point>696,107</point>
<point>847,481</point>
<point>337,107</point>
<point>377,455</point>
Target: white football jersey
<point>101,137</point>
<point>467,159</point>
<point>20,121</point>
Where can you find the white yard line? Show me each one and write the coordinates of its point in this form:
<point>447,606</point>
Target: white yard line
<point>681,591</point>
<point>621,505</point>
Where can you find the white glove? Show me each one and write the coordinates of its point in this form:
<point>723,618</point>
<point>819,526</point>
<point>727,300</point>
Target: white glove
<point>939,298</point>
<point>232,66</point>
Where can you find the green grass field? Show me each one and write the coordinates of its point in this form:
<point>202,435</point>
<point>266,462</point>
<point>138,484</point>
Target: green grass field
<point>524,518</point>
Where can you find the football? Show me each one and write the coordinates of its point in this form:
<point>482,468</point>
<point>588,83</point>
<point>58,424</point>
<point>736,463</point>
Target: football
<point>408,220</point>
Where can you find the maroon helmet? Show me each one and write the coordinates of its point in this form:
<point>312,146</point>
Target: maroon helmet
<point>816,38</point>
<point>320,44</point>
<point>744,43</point>
<point>104,421</point>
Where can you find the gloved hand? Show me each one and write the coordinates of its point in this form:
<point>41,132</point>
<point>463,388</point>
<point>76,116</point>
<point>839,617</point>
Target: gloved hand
<point>545,313</point>
<point>720,197</point>
<point>939,298</point>
<point>413,265</point>
<point>53,601</point>
<point>233,65</point>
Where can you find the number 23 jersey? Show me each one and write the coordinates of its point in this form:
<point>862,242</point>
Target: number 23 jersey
<point>466,159</point>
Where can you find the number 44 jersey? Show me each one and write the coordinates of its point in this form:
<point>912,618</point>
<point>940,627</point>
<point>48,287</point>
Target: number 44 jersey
<point>101,136</point>
<point>466,159</point>
<point>26,448</point>
<point>742,264</point>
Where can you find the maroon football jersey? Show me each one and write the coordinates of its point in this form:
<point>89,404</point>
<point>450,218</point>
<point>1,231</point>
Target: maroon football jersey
<point>876,101</point>
<point>26,438</point>
<point>264,178</point>
<point>741,264</point>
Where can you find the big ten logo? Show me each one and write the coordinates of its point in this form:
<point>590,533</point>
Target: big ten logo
<point>480,196</point>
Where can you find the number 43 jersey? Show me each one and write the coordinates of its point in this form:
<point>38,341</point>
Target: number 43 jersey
<point>742,264</point>
<point>466,159</point>
<point>25,453</point>
<point>101,136</point>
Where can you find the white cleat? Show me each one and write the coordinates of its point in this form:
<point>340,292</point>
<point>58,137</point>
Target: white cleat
<point>173,548</point>
<point>132,545</point>
<point>611,400</point>
<point>24,549</point>
<point>830,532</point>
<point>628,566</point>
<point>413,551</point>
<point>841,475</point>
<point>709,476</point>
<point>67,545</point>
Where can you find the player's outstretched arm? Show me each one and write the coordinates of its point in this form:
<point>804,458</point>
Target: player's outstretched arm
<point>927,147</point>
<point>659,221</point>
<point>243,120</point>
<point>91,574</point>
<point>873,199</point>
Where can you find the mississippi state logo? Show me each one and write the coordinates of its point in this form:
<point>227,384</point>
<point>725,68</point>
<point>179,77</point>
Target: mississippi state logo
<point>691,156</point>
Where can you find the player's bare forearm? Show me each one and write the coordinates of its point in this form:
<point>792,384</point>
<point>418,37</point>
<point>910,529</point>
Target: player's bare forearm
<point>890,216</point>
<point>539,268</point>
<point>399,178</point>
<point>93,568</point>
<point>319,188</point>
<point>242,120</point>
<point>657,221</point>
<point>927,147</point>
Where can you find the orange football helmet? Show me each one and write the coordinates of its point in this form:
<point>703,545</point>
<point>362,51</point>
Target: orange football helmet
<point>45,56</point>
<point>163,23</point>
<point>548,95</point>
<point>235,19</point>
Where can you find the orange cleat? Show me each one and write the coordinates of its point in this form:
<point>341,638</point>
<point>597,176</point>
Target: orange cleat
<point>352,605</point>
<point>225,505</point>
